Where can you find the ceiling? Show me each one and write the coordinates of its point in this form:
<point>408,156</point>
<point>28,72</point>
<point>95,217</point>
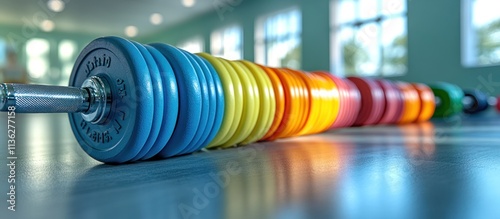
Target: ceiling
<point>101,17</point>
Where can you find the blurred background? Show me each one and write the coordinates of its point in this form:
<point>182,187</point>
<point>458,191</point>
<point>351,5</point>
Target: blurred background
<point>421,41</point>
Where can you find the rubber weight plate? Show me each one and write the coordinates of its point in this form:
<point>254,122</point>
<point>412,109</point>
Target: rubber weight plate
<point>279,95</point>
<point>158,100</point>
<point>344,102</point>
<point>412,105</point>
<point>291,105</point>
<point>427,102</point>
<point>448,99</point>
<point>329,91</point>
<point>372,101</point>
<point>498,103</point>
<point>475,101</point>
<point>219,104</point>
<point>120,64</point>
<point>229,99</point>
<point>239,89</point>
<point>393,103</point>
<point>355,102</point>
<point>190,98</point>
<point>267,103</point>
<point>207,105</point>
<point>171,102</point>
<point>251,106</point>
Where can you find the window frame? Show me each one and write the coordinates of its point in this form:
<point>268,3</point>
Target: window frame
<point>262,41</point>
<point>356,26</point>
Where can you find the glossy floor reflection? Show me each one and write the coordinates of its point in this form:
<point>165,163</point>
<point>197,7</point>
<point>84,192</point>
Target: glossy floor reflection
<point>444,169</point>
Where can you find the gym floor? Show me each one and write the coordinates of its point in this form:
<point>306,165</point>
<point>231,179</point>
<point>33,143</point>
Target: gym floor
<point>440,169</point>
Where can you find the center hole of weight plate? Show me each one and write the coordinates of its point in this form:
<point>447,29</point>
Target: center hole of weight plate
<point>99,98</point>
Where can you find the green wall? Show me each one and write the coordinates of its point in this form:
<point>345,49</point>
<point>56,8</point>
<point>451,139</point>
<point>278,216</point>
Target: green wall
<point>434,42</point>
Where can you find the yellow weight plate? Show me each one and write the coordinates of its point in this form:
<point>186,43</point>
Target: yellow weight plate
<point>239,101</point>
<point>267,103</point>
<point>324,116</point>
<point>229,98</point>
<point>251,105</point>
<point>332,100</point>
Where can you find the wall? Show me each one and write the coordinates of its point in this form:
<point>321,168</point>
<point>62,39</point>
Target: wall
<point>16,37</point>
<point>433,38</point>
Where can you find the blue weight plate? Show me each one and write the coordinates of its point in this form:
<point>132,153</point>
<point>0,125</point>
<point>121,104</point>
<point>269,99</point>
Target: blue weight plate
<point>212,108</point>
<point>207,101</point>
<point>121,137</point>
<point>171,102</point>
<point>219,105</point>
<point>190,98</point>
<point>158,100</point>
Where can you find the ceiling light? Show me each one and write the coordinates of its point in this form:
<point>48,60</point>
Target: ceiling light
<point>47,25</point>
<point>131,31</point>
<point>56,5</point>
<point>188,3</point>
<point>156,19</point>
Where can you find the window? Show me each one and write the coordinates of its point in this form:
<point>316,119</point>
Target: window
<point>369,37</point>
<point>193,45</point>
<point>481,33</point>
<point>3,51</point>
<point>67,57</point>
<point>227,42</point>
<point>37,51</point>
<point>278,39</point>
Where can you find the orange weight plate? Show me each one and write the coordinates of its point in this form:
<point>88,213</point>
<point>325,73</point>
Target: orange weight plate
<point>427,102</point>
<point>412,106</point>
<point>280,101</point>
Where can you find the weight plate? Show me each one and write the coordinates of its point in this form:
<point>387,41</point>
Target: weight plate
<point>190,98</point>
<point>251,106</point>
<point>219,104</point>
<point>498,103</point>
<point>343,102</point>
<point>158,100</point>
<point>314,117</point>
<point>479,101</point>
<point>448,99</point>
<point>229,99</point>
<point>267,103</point>
<point>239,101</point>
<point>171,102</point>
<point>311,104</point>
<point>355,102</point>
<point>331,105</point>
<point>426,101</point>
<point>303,104</point>
<point>279,95</point>
<point>392,104</point>
<point>127,128</point>
<point>372,101</point>
<point>291,105</point>
<point>412,105</point>
<point>207,105</point>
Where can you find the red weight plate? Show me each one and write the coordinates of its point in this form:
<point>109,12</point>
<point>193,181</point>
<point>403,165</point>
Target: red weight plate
<point>354,102</point>
<point>400,100</point>
<point>372,101</point>
<point>498,103</point>
<point>393,102</point>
